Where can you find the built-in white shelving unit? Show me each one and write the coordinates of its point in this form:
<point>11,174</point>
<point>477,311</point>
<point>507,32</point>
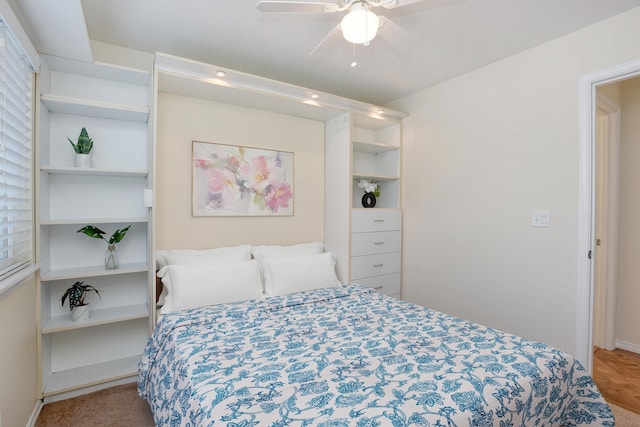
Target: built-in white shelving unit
<point>367,241</point>
<point>376,156</point>
<point>376,233</point>
<point>112,103</point>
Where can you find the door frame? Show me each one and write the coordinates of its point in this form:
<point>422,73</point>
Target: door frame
<point>606,221</point>
<point>587,98</point>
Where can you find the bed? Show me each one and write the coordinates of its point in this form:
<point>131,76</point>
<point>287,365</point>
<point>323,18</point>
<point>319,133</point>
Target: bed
<point>348,356</point>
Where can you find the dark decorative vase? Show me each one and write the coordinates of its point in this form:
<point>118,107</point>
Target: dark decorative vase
<point>368,200</point>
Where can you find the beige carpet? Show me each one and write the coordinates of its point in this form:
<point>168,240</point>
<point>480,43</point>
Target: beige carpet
<point>121,407</point>
<point>118,406</point>
<point>625,418</point>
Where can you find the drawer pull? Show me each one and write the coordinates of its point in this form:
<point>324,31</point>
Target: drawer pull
<point>377,288</point>
<point>378,243</point>
<point>378,265</point>
<point>378,220</point>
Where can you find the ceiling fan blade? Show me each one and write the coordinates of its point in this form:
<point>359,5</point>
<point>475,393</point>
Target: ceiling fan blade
<point>295,6</point>
<point>398,3</point>
<point>400,40</point>
<point>331,35</point>
<point>427,4</point>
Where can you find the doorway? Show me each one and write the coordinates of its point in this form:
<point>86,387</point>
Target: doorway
<point>587,99</point>
<point>607,178</point>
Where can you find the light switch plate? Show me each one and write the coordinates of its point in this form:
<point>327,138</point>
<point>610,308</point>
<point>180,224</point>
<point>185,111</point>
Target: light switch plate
<point>540,219</point>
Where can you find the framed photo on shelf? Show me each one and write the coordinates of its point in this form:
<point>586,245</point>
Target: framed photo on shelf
<point>230,180</point>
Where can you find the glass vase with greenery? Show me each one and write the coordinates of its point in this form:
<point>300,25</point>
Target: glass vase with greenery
<point>110,258</point>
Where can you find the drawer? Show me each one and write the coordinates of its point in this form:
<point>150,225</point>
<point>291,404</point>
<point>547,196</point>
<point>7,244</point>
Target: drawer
<point>376,243</point>
<point>365,220</point>
<point>375,265</point>
<point>389,284</point>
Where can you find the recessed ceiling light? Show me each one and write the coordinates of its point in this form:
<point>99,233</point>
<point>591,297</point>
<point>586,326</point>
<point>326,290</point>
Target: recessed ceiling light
<point>380,111</point>
<point>353,64</point>
<point>315,96</point>
<point>221,74</point>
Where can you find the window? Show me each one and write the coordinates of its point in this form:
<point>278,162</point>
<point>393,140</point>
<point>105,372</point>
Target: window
<point>16,118</point>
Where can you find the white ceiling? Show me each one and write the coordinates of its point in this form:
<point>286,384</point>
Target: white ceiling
<point>443,39</point>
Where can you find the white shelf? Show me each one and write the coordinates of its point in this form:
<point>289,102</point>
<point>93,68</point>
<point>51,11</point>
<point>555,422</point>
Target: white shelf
<point>98,317</point>
<point>376,121</point>
<point>92,271</point>
<point>379,160</point>
<point>376,177</point>
<point>360,208</point>
<point>92,108</point>
<point>92,171</point>
<point>98,70</point>
<point>83,221</point>
<point>86,376</point>
<point>373,147</point>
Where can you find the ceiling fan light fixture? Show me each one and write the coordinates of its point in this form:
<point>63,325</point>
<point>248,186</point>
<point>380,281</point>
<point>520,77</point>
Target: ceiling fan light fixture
<point>360,25</point>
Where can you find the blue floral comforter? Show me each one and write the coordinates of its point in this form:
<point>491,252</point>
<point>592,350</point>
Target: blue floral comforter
<point>348,356</point>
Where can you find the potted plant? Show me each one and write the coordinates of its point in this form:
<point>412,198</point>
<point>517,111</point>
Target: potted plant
<point>371,191</point>
<point>110,258</point>
<point>79,308</point>
<point>82,148</point>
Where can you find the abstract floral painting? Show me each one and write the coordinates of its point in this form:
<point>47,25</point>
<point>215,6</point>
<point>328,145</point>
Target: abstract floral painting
<point>230,180</point>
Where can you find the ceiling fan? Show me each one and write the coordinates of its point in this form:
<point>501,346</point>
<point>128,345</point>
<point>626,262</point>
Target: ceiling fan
<point>358,26</point>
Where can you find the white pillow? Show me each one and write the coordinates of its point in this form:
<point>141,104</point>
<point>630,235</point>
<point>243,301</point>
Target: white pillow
<point>216,256</point>
<point>279,252</point>
<point>291,251</point>
<point>191,286</point>
<point>205,258</point>
<point>289,275</point>
<point>243,253</point>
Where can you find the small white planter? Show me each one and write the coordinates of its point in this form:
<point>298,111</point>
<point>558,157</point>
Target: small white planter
<point>83,160</point>
<point>81,313</point>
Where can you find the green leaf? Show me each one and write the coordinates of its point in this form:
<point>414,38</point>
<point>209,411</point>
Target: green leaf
<point>75,147</point>
<point>92,231</point>
<point>118,235</point>
<point>76,294</point>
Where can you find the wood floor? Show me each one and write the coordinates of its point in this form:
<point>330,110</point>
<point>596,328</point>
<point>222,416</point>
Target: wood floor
<point>617,375</point>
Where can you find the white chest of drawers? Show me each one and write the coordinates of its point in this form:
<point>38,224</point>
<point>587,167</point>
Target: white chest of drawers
<point>376,249</point>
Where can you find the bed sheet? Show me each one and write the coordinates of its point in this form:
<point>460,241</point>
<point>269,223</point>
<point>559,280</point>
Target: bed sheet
<point>348,356</point>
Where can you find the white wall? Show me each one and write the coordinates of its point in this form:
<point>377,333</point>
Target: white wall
<point>18,357</point>
<point>18,331</point>
<point>628,291</point>
<point>184,119</point>
<point>480,153</point>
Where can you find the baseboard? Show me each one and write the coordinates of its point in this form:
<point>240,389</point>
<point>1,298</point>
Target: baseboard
<point>34,415</point>
<point>90,389</point>
<point>624,345</point>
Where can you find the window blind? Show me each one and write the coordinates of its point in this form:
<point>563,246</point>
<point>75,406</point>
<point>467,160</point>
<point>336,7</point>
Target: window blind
<point>16,113</point>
